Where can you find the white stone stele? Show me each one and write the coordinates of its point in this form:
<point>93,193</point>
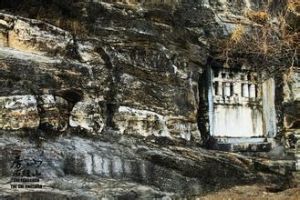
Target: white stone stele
<point>236,109</point>
<point>237,121</point>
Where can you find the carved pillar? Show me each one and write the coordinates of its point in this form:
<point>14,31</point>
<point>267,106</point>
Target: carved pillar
<point>220,89</point>
<point>252,91</point>
<point>245,90</point>
<point>227,92</point>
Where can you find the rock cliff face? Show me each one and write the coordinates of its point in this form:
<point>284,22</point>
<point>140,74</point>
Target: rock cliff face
<point>114,91</point>
<point>136,89</point>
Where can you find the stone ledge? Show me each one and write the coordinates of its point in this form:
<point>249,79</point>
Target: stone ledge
<point>243,144</point>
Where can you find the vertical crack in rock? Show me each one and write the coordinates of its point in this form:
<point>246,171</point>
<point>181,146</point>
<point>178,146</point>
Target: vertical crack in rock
<point>114,78</point>
<point>72,49</point>
<point>202,113</point>
<point>279,99</point>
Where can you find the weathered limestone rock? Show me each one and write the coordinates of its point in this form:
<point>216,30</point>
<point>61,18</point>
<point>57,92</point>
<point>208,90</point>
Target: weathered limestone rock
<point>32,35</point>
<point>133,121</point>
<point>113,72</point>
<point>87,115</point>
<point>147,56</point>
<point>157,79</point>
<point>28,111</point>
<point>292,99</point>
<point>88,52</point>
<point>140,122</point>
<point>180,127</point>
<point>291,113</point>
<point>160,85</point>
<point>181,171</point>
<point>17,112</point>
<point>54,112</point>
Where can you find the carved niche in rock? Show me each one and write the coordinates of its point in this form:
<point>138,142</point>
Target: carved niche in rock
<point>239,106</point>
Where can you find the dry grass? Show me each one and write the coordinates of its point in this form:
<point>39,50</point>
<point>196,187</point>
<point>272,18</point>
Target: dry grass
<point>268,45</point>
<point>237,34</point>
<point>260,17</point>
